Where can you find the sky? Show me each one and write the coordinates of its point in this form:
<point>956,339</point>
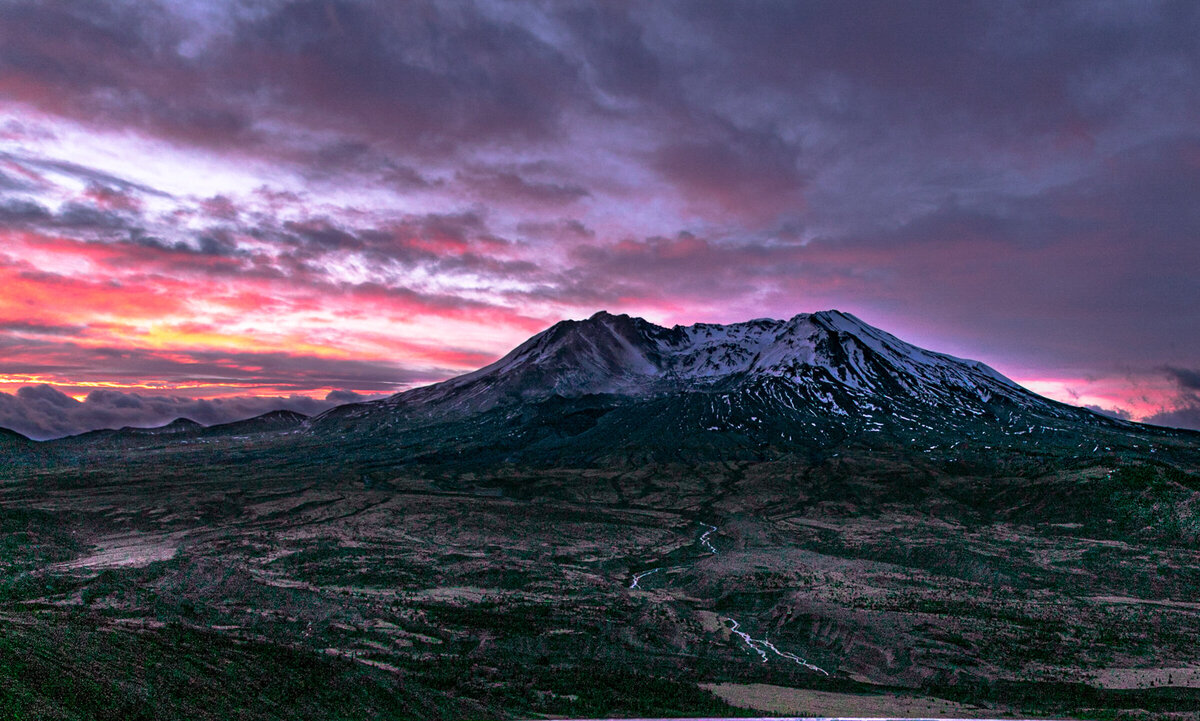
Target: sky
<point>213,209</point>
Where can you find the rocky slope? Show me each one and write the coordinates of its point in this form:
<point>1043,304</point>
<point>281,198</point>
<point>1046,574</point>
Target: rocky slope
<point>816,378</point>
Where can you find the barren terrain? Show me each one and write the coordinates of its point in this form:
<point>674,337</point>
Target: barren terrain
<point>879,585</point>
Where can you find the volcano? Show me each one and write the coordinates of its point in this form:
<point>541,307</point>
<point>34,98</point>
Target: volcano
<point>615,385</point>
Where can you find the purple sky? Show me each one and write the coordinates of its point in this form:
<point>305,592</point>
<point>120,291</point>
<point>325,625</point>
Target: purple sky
<point>214,208</point>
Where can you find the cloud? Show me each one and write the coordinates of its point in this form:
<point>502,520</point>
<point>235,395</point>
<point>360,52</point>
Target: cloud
<point>1110,412</point>
<point>345,396</point>
<point>426,76</point>
<point>33,165</point>
<point>9,183</point>
<point>510,185</point>
<point>564,228</point>
<point>1186,417</point>
<point>1187,378</point>
<point>36,328</point>
<point>43,412</point>
<point>223,368</point>
<point>1185,412</point>
<point>437,80</point>
<point>331,164</point>
<point>112,198</point>
<point>366,181</point>
<point>1051,72</point>
<point>738,172</point>
<point>20,211</point>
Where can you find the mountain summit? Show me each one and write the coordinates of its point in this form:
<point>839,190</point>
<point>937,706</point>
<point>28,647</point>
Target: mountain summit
<point>622,355</point>
<point>814,378</point>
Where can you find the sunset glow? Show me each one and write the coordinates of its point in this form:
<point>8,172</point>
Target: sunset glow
<point>301,200</point>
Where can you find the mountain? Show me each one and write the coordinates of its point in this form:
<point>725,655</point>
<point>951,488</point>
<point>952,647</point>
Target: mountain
<point>842,363</point>
<point>13,446</point>
<point>281,420</point>
<point>185,430</point>
<point>619,520</point>
<point>12,439</point>
<point>614,383</point>
<point>177,426</point>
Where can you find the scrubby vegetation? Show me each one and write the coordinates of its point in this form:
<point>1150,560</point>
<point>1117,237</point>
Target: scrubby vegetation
<point>411,576</point>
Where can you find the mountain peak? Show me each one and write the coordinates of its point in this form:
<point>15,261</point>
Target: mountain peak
<point>605,315</point>
<point>629,356</point>
<point>815,375</point>
<point>179,425</point>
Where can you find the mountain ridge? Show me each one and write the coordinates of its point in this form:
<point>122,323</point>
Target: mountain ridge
<point>188,429</point>
<point>616,388</point>
<point>826,352</point>
<point>11,437</point>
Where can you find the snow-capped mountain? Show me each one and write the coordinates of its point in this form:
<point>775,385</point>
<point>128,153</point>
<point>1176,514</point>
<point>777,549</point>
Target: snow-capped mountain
<point>813,374</point>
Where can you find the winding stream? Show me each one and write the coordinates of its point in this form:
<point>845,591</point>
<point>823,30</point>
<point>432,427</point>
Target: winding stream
<point>704,538</point>
<point>639,576</point>
<point>761,646</point>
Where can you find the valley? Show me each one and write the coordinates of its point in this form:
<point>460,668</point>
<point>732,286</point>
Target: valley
<point>608,555</point>
<point>496,596</point>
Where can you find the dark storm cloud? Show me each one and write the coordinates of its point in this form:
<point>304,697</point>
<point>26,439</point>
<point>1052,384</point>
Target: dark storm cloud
<point>1015,68</point>
<point>432,75</point>
<point>91,217</point>
<point>72,215</point>
<point>737,90</point>
<point>115,64</point>
<point>125,239</point>
<point>684,266</point>
<point>426,76</point>
<point>428,73</point>
<point>1110,412</point>
<point>19,211</point>
<point>1188,379</point>
<point>324,234</point>
<point>108,203</point>
<point>1186,413</point>
<point>344,396</point>
<point>1183,417</point>
<point>221,208</point>
<point>112,197</point>
<point>118,224</point>
<point>432,243</point>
